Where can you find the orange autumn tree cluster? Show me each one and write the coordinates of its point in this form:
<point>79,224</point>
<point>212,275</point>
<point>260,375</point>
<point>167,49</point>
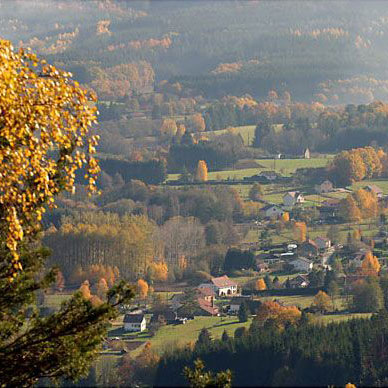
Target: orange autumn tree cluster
<point>357,164</point>
<point>370,266</point>
<point>86,294</point>
<point>362,204</point>
<point>280,315</point>
<point>45,121</point>
<point>94,273</point>
<point>158,271</point>
<point>122,80</point>
<point>300,231</point>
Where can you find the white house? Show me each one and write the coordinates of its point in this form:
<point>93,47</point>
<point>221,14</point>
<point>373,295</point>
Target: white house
<point>271,211</point>
<point>135,322</point>
<point>222,286</point>
<point>325,187</point>
<point>292,198</point>
<point>302,264</point>
<point>323,243</point>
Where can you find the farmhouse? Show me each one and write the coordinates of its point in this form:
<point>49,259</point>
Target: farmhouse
<point>271,211</point>
<point>222,286</point>
<point>309,249</point>
<point>376,190</point>
<point>135,322</point>
<point>302,264</point>
<point>325,187</point>
<point>323,243</point>
<point>166,314</point>
<point>292,198</point>
<point>299,281</point>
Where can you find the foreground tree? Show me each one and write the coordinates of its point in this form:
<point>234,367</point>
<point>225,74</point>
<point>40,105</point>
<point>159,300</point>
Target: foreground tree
<point>198,378</point>
<point>44,138</point>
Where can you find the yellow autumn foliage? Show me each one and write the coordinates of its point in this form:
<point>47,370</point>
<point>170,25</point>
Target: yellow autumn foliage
<point>45,121</point>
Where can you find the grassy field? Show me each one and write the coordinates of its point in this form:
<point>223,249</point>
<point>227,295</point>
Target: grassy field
<point>178,335</point>
<point>304,301</point>
<point>247,133</point>
<point>285,167</point>
<point>334,318</point>
<point>55,300</point>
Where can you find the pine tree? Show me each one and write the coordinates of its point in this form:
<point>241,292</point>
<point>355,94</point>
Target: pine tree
<point>225,336</point>
<point>243,312</point>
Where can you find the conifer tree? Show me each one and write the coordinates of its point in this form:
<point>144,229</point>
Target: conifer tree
<point>243,312</point>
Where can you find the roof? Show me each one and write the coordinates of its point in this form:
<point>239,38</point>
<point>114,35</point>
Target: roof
<point>303,259</point>
<point>206,291</point>
<point>133,318</point>
<point>309,242</point>
<point>207,306</point>
<point>294,194</point>
<point>223,281</point>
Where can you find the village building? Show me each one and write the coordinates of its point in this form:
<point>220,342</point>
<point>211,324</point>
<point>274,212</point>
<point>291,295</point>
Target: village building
<point>302,264</point>
<point>236,302</point>
<point>323,243</point>
<point>271,211</point>
<point>299,281</point>
<point>308,249</point>
<point>325,187</point>
<point>292,198</point>
<point>375,190</point>
<point>135,322</point>
<point>168,314</point>
<point>261,266</point>
<point>222,286</point>
<point>207,308</point>
<point>307,154</point>
<point>270,175</point>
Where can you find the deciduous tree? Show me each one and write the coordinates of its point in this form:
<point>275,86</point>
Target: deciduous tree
<point>260,285</point>
<point>142,287</point>
<point>201,175</point>
<point>321,301</point>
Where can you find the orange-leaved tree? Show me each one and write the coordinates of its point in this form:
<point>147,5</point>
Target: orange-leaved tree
<point>300,231</point>
<point>322,301</point>
<point>260,285</point>
<point>142,288</point>
<point>201,171</point>
<point>370,265</point>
